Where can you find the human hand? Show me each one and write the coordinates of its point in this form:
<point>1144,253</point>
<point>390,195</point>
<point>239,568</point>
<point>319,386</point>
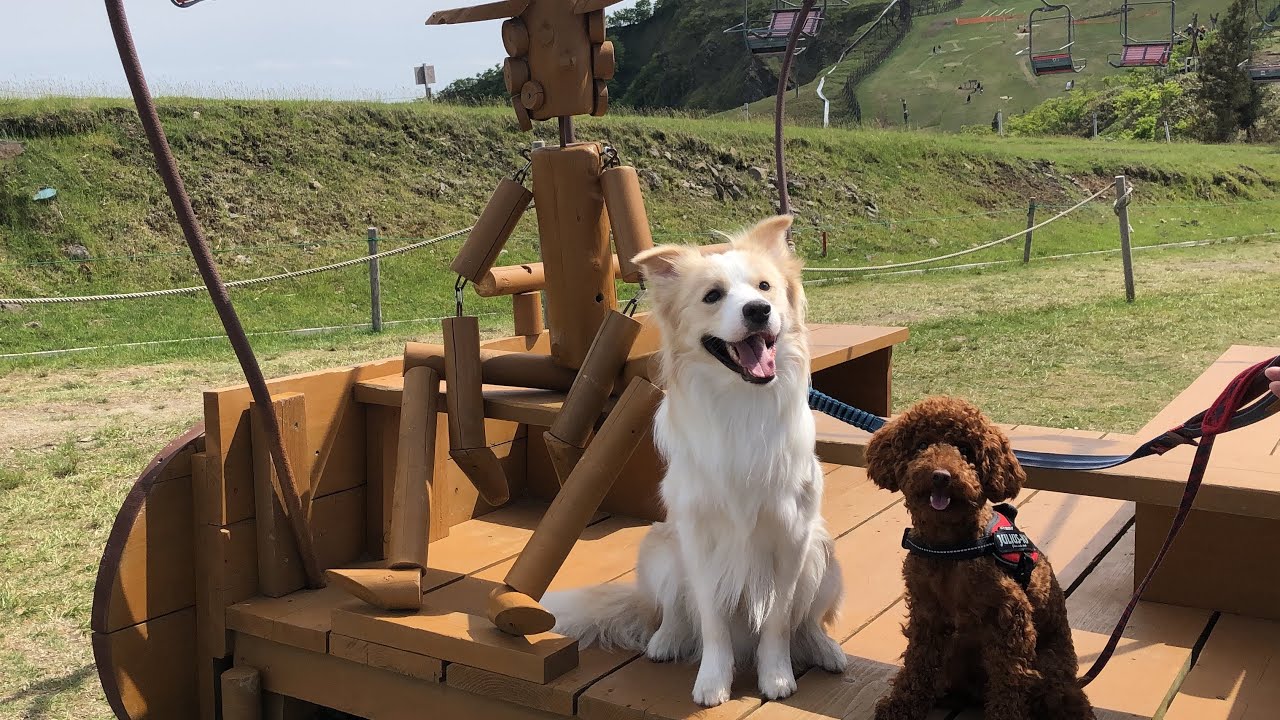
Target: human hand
<point>1273,374</point>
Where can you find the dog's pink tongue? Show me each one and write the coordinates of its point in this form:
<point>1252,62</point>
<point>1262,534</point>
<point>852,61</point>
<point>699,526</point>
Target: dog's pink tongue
<point>939,500</point>
<point>756,358</point>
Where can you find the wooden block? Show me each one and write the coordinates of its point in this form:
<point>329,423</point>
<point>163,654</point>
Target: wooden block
<point>575,240</point>
<point>1236,676</point>
<point>365,691</point>
<point>515,37</point>
<point>387,589</point>
<point>527,311</point>
<point>864,382</point>
<point>148,670</point>
<point>301,619</point>
<point>560,59</point>
<point>515,73</point>
<point>338,527</point>
<point>226,573</point>
<point>604,63</point>
<point>628,218</point>
<point>596,26</point>
<point>241,694</point>
<point>558,696</point>
<point>410,520</point>
<point>461,638</point>
<point>492,229</point>
<point>280,570</point>
<point>586,487</point>
<point>477,13</point>
<point>335,429</point>
<point>1213,563</point>
<point>465,401</point>
<point>596,378</point>
<point>387,658</point>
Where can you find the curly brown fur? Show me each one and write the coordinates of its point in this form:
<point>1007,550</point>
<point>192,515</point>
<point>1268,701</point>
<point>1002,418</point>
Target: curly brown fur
<point>973,631</point>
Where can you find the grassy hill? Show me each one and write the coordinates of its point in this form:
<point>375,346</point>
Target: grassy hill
<point>291,185</point>
<point>993,52</point>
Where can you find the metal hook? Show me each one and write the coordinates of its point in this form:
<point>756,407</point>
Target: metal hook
<point>458,287</point>
<point>611,158</point>
<point>634,303</point>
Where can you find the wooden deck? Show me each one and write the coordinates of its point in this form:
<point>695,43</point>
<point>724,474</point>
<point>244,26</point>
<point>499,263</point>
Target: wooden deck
<point>1090,541</point>
<point>1176,661</point>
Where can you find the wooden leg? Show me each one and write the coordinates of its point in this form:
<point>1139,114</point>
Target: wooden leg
<point>864,382</point>
<point>241,694</point>
<point>582,407</point>
<point>1219,561</point>
<point>573,507</point>
<point>465,399</point>
<point>400,586</point>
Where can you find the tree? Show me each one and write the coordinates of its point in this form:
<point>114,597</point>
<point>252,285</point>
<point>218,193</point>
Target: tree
<point>1233,101</point>
<point>642,11</point>
<point>485,87</point>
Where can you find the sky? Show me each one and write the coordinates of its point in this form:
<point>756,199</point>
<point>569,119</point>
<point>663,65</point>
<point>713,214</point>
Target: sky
<point>338,49</point>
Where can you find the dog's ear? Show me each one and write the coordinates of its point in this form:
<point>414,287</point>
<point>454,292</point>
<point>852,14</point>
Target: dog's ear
<point>768,237</point>
<point>883,457</point>
<point>1000,472</point>
<point>664,262</point>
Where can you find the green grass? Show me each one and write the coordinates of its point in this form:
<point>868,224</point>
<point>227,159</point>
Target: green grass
<point>994,53</point>
<point>418,171</point>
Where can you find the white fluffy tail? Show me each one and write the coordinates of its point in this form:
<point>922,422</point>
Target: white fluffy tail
<point>613,615</point>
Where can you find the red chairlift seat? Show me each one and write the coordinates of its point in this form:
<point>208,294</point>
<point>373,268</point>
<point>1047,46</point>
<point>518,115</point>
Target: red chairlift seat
<point>773,39</point>
<point>1143,55</point>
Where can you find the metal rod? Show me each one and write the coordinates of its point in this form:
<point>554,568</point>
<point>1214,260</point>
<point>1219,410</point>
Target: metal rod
<point>167,167</point>
<point>784,197</point>
<point>566,131</point>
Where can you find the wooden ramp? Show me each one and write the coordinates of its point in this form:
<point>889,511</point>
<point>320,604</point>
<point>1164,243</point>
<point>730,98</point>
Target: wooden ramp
<point>1089,540</point>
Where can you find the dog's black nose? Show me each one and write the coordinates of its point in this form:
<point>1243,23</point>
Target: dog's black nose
<point>941,477</point>
<point>757,313</point>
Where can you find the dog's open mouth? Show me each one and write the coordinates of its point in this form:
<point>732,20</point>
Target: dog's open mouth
<point>940,500</point>
<point>754,357</point>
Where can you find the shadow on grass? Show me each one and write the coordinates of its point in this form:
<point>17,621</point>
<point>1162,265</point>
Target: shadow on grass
<point>41,694</point>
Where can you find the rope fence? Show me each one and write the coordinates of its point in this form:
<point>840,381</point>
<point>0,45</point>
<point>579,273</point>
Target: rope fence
<point>1021,233</point>
<point>237,283</point>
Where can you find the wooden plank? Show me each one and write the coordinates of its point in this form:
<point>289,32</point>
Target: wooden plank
<point>558,696</point>
<point>301,619</point>
<point>1236,677</point>
<point>643,689</point>
<point>1260,439</point>
<point>148,670</point>
<point>365,691</point>
<point>374,655</point>
<point>1157,645</point>
<point>462,638</point>
<point>849,499</point>
<point>1239,485</point>
<point>381,425</point>
<point>279,564</point>
<point>864,382</point>
<point>154,574</point>
<point>1214,564</point>
<point>335,430</point>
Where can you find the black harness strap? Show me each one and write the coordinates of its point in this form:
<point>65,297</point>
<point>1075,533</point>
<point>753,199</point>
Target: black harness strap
<point>1002,540</point>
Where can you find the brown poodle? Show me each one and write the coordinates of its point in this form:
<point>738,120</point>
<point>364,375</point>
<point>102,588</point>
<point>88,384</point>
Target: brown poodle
<point>988,620</point>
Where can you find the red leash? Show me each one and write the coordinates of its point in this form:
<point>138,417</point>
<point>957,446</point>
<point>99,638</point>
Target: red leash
<point>1215,420</point>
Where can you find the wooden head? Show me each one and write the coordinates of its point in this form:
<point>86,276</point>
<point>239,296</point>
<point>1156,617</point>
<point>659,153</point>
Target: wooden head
<point>558,60</point>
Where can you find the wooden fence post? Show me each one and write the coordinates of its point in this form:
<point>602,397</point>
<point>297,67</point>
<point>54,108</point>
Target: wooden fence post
<point>375,281</point>
<point>1031,221</point>
<point>1095,124</point>
<point>1126,251</point>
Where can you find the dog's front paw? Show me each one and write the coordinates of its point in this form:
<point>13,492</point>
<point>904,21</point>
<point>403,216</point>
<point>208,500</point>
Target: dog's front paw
<point>663,647</point>
<point>709,692</point>
<point>778,683</point>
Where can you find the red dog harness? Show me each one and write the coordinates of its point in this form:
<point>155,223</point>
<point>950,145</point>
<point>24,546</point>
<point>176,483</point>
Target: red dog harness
<point>1002,540</point>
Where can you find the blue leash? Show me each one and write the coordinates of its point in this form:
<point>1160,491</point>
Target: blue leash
<point>1188,433</point>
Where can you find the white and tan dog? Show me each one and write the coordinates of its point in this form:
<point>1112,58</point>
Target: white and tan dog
<point>742,568</point>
